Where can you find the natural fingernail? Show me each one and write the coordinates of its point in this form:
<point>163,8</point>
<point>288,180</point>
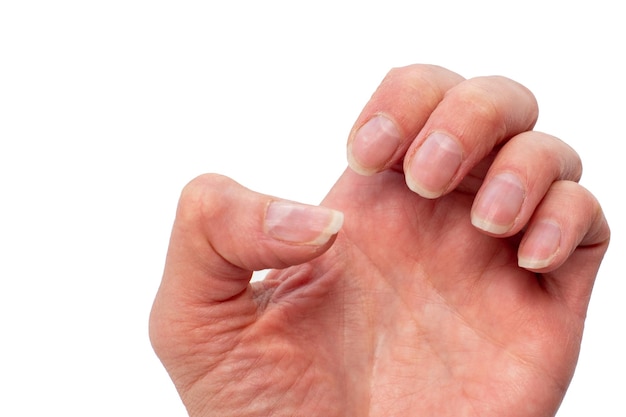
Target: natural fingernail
<point>540,245</point>
<point>434,164</point>
<point>497,206</point>
<point>300,223</point>
<point>373,145</point>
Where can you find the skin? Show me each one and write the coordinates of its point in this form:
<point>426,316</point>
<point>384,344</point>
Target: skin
<point>418,305</point>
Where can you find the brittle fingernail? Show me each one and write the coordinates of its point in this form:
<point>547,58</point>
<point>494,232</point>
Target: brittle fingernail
<point>540,246</point>
<point>373,145</point>
<point>301,223</point>
<point>434,164</point>
<point>498,204</point>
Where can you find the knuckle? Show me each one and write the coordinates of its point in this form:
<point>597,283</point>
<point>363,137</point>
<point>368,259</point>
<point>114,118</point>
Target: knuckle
<point>203,197</point>
<point>414,89</point>
<point>499,104</point>
<point>548,154</point>
<point>479,102</point>
<point>418,70</point>
<point>571,163</point>
<point>569,193</point>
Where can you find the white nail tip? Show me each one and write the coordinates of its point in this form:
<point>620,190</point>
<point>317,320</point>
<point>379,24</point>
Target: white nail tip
<point>489,227</point>
<point>333,227</point>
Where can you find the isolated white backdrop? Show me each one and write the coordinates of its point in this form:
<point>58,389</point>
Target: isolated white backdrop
<point>108,108</point>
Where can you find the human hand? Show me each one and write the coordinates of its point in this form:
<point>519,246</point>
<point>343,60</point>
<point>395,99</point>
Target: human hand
<point>461,294</point>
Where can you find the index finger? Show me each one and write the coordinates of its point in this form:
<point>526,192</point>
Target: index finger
<point>395,114</point>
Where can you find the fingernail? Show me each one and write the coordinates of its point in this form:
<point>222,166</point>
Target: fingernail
<point>373,145</point>
<point>540,245</point>
<point>434,164</point>
<point>498,204</point>
<point>300,223</point>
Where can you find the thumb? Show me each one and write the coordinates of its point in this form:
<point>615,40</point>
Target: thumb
<point>224,231</point>
<point>221,234</point>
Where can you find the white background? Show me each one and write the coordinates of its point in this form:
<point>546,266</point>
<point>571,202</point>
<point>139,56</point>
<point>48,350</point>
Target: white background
<point>107,108</point>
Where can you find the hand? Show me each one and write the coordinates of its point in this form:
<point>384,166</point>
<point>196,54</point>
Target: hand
<point>457,286</point>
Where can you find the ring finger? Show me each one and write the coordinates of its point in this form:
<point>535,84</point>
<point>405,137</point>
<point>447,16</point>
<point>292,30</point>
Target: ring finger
<point>519,178</point>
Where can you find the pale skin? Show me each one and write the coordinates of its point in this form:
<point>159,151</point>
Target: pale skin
<point>451,277</point>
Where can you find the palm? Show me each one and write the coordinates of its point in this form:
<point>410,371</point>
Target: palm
<point>411,312</point>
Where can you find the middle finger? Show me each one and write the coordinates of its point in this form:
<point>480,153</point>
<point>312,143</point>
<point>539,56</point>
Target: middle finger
<point>473,118</point>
